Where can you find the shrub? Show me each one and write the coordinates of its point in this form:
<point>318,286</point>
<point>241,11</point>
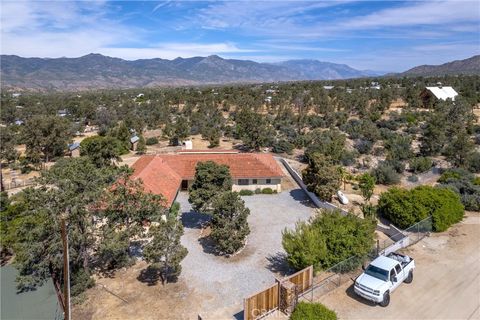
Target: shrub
<point>364,146</point>
<point>386,174</point>
<point>246,192</point>
<point>258,191</point>
<point>327,240</point>
<point>267,191</point>
<point>474,162</point>
<point>282,146</point>
<point>465,184</point>
<point>420,164</point>
<point>312,311</point>
<point>413,178</point>
<point>407,207</point>
<point>151,141</point>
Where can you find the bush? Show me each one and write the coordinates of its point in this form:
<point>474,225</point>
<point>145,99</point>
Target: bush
<point>465,184</point>
<point>474,162</point>
<point>364,146</point>
<point>413,178</point>
<point>386,174</point>
<point>329,239</point>
<point>246,192</point>
<point>407,207</point>
<point>312,311</point>
<point>420,164</point>
<point>151,141</point>
<point>258,191</point>
<point>267,191</point>
<point>282,146</point>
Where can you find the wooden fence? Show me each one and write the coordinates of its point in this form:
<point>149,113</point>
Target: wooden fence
<point>302,279</point>
<point>268,300</point>
<point>261,303</point>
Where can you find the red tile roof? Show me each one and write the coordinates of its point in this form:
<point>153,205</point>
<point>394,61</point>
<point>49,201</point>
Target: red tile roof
<point>163,174</point>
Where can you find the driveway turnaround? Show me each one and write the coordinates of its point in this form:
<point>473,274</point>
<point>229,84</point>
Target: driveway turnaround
<point>223,283</point>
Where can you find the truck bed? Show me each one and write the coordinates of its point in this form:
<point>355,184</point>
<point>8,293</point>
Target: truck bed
<point>403,259</point>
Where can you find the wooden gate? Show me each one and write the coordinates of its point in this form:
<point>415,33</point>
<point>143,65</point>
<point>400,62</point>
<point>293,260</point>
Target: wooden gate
<point>261,303</point>
<point>268,300</point>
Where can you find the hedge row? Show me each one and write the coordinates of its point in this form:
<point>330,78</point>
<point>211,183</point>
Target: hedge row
<point>406,207</point>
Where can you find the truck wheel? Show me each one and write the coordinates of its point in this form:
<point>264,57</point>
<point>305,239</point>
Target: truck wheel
<point>409,279</point>
<point>386,299</point>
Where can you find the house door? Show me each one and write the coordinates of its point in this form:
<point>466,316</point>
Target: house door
<point>184,185</point>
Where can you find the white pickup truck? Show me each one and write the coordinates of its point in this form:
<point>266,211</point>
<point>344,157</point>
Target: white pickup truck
<point>382,276</point>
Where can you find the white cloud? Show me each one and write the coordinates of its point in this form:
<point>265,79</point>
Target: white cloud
<point>173,50</point>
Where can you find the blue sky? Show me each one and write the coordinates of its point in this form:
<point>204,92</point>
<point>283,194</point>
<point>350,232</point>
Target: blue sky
<point>376,35</point>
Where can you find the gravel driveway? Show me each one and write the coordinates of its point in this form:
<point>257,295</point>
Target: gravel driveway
<point>222,282</point>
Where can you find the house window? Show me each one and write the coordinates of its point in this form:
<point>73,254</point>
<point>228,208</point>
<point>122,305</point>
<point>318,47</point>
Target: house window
<point>254,181</point>
<point>269,181</point>
<point>243,182</point>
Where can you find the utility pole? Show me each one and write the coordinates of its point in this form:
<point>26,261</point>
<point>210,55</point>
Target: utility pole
<point>66,271</point>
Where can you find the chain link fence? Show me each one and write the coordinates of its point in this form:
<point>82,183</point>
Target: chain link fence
<point>349,269</point>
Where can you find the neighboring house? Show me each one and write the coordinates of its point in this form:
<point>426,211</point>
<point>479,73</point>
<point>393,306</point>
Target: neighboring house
<point>167,174</point>
<point>134,142</point>
<point>328,87</point>
<point>74,149</point>
<point>431,94</point>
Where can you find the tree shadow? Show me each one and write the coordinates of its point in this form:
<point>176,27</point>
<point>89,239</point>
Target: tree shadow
<point>208,246</point>
<point>194,220</point>
<point>351,294</point>
<point>278,264</point>
<point>300,196</point>
<point>149,276</point>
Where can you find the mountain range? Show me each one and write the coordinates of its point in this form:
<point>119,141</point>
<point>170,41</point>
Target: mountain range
<point>467,66</point>
<point>95,71</point>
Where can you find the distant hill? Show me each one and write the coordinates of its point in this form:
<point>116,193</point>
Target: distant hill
<point>95,71</point>
<point>468,66</point>
<point>318,70</point>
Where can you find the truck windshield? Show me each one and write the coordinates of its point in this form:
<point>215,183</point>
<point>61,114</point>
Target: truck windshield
<point>377,273</point>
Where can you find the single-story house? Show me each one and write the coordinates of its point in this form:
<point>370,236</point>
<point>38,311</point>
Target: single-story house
<point>430,94</point>
<point>168,174</point>
<point>74,149</point>
<point>134,142</point>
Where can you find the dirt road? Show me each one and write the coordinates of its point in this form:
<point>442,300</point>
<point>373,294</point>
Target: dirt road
<point>446,281</point>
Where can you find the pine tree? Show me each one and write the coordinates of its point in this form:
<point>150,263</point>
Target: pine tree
<point>165,251</point>
<point>229,222</point>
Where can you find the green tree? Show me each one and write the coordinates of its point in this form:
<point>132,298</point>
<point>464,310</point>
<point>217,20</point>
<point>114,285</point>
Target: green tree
<point>45,137</point>
<point>312,311</point>
<point>321,177</point>
<point>141,146</point>
<point>68,189</point>
<point>165,251</point>
<point>101,150</point>
<point>229,222</point>
<point>459,149</point>
<point>122,134</point>
<point>330,143</point>
<point>210,180</point>
<point>127,207</point>
<point>7,145</point>
<point>407,207</point>
<point>328,239</point>
<point>253,129</point>
<point>366,185</point>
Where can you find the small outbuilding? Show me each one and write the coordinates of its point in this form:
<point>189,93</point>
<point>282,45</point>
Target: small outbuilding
<point>74,149</point>
<point>134,142</point>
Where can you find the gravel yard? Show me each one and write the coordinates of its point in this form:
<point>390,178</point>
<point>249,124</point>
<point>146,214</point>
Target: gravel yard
<point>224,282</point>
